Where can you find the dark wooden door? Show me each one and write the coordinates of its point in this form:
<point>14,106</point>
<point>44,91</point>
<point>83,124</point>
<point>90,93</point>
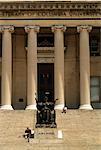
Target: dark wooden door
<point>45,81</point>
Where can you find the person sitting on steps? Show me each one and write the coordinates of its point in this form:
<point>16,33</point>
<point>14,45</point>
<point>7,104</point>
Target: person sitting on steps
<point>27,133</point>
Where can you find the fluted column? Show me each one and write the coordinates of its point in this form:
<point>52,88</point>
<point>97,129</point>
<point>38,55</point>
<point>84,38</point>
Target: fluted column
<point>84,67</point>
<point>31,66</point>
<point>6,87</point>
<point>59,65</point>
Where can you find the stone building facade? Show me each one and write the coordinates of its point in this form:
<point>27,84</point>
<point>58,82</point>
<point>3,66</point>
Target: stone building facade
<point>50,49</point>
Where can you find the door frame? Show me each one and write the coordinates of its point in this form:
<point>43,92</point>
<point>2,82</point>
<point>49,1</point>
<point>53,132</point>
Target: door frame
<point>47,88</point>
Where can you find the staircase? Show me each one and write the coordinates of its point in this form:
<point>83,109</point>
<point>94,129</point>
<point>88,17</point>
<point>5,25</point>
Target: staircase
<point>81,130</point>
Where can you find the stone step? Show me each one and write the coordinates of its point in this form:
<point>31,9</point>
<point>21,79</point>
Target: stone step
<point>81,130</point>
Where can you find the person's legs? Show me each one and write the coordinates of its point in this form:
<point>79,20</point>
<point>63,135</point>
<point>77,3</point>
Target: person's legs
<point>28,136</point>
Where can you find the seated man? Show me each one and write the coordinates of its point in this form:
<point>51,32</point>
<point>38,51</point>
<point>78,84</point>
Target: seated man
<point>27,133</point>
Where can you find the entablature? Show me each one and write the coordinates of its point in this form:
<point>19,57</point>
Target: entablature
<point>50,9</point>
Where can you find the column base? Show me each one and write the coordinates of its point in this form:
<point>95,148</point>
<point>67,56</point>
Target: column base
<point>86,107</point>
<point>6,107</point>
<point>31,107</point>
<point>59,106</point>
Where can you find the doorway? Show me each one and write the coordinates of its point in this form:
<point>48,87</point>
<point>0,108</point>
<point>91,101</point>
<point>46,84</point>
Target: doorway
<point>45,81</point>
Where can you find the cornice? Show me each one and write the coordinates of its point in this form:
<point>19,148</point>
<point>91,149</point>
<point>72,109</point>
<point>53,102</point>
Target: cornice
<point>49,9</point>
<point>49,5</point>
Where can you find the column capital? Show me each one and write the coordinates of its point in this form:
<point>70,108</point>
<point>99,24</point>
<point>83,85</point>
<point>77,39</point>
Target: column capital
<point>84,27</point>
<point>58,27</point>
<point>35,28</point>
<point>10,28</point>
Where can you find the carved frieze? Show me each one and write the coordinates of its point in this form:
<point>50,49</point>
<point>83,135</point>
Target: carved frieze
<point>49,9</point>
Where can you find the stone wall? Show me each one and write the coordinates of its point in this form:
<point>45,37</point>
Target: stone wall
<point>19,71</point>
<point>72,71</point>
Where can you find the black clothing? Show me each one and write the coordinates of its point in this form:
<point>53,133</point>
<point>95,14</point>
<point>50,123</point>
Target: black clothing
<point>28,131</point>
